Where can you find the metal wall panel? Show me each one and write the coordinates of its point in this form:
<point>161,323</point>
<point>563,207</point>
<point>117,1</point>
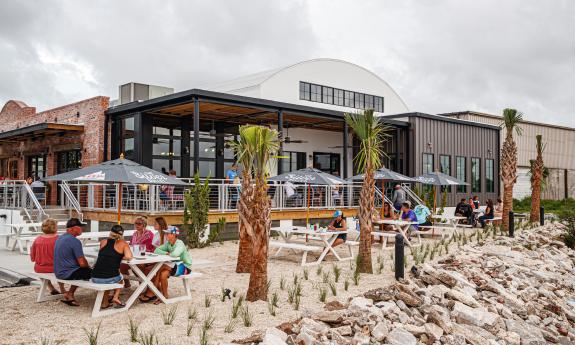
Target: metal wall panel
<point>455,139</point>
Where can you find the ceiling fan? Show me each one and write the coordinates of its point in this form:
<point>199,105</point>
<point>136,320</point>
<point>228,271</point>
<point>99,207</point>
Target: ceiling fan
<point>288,139</point>
<point>213,132</point>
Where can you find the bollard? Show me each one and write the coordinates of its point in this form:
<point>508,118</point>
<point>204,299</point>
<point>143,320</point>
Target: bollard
<point>511,223</point>
<point>542,215</point>
<point>398,257</point>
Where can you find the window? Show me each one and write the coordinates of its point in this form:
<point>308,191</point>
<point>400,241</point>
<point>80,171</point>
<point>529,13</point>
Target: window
<point>304,91</point>
<point>338,97</point>
<point>127,137</point>
<point>378,104</point>
<point>327,95</point>
<point>327,162</point>
<point>293,161</point>
<point>348,99</point>
<point>489,176</point>
<point>69,160</point>
<point>445,166</point>
<point>315,93</point>
<point>427,163</point>
<point>461,174</point>
<point>369,102</point>
<point>36,166</point>
<point>475,175</point>
<point>13,169</point>
<point>164,165</point>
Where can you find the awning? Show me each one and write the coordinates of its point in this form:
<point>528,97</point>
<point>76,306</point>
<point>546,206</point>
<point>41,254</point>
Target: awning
<point>38,131</point>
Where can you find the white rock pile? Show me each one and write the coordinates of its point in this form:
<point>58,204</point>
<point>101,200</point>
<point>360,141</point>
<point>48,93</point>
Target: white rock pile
<point>518,291</point>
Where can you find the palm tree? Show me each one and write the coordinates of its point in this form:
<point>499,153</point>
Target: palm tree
<point>371,133</point>
<point>537,168</point>
<point>265,145</point>
<point>511,119</point>
<point>244,148</point>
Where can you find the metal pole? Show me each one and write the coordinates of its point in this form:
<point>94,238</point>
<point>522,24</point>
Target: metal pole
<point>399,257</point>
<point>511,224</point>
<point>196,136</point>
<point>542,215</point>
<point>345,148</point>
<point>281,146</point>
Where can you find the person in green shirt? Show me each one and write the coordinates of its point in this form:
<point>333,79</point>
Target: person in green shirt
<point>174,248</point>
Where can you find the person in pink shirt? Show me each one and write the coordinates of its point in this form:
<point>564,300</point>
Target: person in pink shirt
<point>142,235</point>
<point>42,252</point>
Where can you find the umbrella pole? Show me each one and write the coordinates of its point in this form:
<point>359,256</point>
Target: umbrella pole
<point>434,198</point>
<point>307,213</point>
<point>119,198</point>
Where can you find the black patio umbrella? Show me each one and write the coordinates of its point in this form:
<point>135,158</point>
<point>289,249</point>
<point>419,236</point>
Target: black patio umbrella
<point>309,176</point>
<point>438,179</point>
<point>118,171</point>
<point>384,174</point>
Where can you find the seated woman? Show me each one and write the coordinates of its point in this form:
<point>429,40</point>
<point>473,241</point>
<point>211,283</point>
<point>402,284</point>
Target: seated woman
<point>142,236</point>
<point>42,252</point>
<point>107,268</point>
<point>488,214</point>
<point>174,248</point>
<point>338,223</point>
<point>159,226</point>
<point>499,208</point>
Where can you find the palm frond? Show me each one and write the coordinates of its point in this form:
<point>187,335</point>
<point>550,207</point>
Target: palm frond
<point>372,133</point>
<point>511,119</point>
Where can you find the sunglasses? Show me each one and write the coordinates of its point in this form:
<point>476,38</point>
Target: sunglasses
<point>139,223</point>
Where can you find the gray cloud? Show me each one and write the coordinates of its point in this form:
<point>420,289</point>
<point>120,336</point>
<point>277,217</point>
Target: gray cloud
<point>440,56</point>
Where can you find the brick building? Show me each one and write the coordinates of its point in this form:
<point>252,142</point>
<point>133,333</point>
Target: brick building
<point>51,142</point>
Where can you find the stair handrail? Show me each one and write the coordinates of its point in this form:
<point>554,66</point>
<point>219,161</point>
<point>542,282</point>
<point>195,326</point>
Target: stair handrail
<point>71,199</point>
<point>382,195</point>
<point>35,204</point>
<point>411,194</point>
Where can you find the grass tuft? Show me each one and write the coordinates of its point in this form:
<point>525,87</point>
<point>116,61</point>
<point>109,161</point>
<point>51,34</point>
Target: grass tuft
<point>168,315</point>
<point>92,334</point>
<point>336,273</point>
<point>133,327</point>
<point>333,287</point>
<point>305,274</point>
<point>149,338</point>
<point>322,293</point>
<point>207,300</point>
<point>247,317</point>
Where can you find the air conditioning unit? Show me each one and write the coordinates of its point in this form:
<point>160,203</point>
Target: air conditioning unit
<point>133,92</point>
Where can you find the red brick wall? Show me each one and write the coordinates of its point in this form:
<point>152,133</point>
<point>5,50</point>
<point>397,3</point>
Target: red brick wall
<point>89,113</point>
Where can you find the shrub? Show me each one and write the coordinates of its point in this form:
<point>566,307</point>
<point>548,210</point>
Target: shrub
<point>568,219</point>
<point>196,213</point>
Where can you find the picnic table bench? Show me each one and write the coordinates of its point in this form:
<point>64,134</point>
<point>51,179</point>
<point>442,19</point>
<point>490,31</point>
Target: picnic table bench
<point>45,295</point>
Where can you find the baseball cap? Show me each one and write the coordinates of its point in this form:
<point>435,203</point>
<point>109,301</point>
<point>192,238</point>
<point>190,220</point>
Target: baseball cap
<point>337,213</point>
<point>172,230</point>
<point>72,222</point>
<point>117,229</point>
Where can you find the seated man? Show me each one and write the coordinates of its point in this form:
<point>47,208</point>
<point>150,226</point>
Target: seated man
<point>338,224</point>
<point>408,215</point>
<point>463,209</point>
<point>422,212</point>
<point>69,260</point>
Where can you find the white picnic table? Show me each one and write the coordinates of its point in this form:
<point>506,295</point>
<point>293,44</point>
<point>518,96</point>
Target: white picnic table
<point>402,227</point>
<point>145,280</point>
<point>325,237</point>
<point>21,232</point>
<point>452,222</point>
<point>96,235</point>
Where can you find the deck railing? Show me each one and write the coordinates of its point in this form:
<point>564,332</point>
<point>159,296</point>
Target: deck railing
<point>223,197</point>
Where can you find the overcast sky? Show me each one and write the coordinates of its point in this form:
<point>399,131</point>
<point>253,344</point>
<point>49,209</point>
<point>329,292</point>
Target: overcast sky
<point>440,56</point>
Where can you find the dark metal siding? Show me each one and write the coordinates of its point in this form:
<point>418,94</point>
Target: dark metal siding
<point>456,139</point>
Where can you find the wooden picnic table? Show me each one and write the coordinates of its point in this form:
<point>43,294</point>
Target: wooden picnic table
<point>325,237</point>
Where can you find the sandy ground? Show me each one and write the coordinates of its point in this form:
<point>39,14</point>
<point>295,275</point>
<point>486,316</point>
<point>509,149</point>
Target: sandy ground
<point>23,321</point>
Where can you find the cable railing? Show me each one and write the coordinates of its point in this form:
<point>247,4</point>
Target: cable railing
<point>17,194</point>
<point>222,197</point>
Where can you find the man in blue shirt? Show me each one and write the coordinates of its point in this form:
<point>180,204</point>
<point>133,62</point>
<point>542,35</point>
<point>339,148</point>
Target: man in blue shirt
<point>232,173</point>
<point>69,260</point>
<point>408,215</point>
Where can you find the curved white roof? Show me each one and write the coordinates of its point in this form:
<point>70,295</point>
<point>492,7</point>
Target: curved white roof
<point>282,84</point>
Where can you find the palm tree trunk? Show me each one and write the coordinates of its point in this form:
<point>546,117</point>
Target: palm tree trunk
<point>535,198</point>
<point>257,289</point>
<point>507,204</point>
<point>245,227</point>
<point>366,206</point>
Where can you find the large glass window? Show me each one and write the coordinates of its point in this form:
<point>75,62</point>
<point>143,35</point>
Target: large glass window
<point>327,95</point>
<point>36,166</point>
<point>315,93</point>
<point>304,91</point>
<point>427,163</point>
<point>327,162</point>
<point>489,176</point>
<point>164,165</point>
<point>445,166</point>
<point>69,160</point>
<point>461,173</point>
<point>293,161</point>
<point>127,137</point>
<point>330,95</point>
<point>475,175</point>
<point>207,168</point>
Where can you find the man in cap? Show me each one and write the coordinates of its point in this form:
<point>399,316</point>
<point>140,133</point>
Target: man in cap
<point>398,197</point>
<point>69,260</point>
